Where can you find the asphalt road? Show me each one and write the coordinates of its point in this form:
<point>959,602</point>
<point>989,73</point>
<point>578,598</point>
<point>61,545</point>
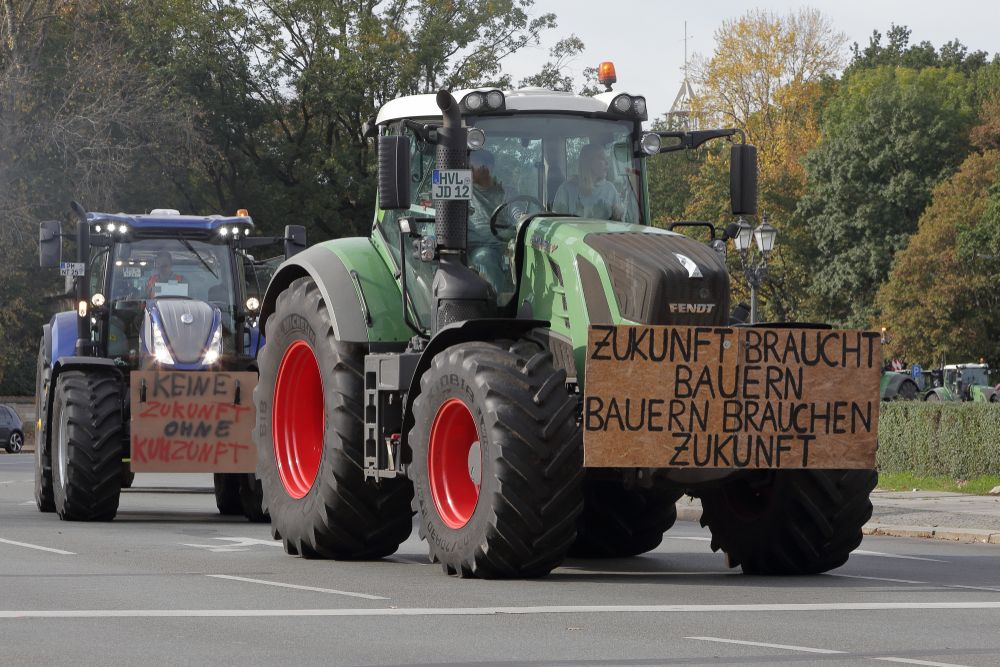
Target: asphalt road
<point>172,582</point>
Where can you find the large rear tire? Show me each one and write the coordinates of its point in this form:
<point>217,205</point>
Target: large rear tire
<point>789,522</point>
<point>309,439</point>
<point>497,461</point>
<point>618,521</point>
<point>44,498</point>
<point>87,445</point>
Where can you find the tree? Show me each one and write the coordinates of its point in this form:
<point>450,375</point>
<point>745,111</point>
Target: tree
<point>288,89</point>
<point>78,119</point>
<point>898,52</point>
<point>553,74</point>
<point>767,76</point>
<point>889,135</point>
<point>942,299</point>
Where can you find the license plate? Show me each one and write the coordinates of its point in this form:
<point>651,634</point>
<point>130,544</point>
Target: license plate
<point>451,184</point>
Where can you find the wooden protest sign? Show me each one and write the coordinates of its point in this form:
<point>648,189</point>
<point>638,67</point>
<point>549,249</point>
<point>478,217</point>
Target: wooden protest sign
<point>192,421</point>
<point>731,397</point>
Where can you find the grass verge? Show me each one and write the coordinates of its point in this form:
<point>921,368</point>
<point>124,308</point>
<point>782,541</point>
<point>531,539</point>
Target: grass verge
<point>907,481</point>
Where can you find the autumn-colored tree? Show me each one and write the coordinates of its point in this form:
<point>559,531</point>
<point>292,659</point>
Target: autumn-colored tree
<point>767,76</point>
<point>942,299</point>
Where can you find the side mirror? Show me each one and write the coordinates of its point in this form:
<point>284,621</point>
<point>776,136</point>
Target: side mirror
<point>49,244</point>
<point>393,173</point>
<point>295,240</point>
<point>743,179</point>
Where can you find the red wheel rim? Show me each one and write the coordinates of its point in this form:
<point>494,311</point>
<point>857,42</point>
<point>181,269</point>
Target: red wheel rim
<point>453,435</point>
<point>297,419</point>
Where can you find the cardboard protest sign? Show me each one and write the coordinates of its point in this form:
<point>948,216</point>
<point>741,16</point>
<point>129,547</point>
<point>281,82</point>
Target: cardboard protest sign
<point>192,421</point>
<point>731,397</point>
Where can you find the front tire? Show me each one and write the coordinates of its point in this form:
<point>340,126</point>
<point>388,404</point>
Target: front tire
<point>789,522</point>
<point>15,442</point>
<point>87,447</point>
<point>618,522</point>
<point>309,437</point>
<point>44,497</point>
<point>497,461</point>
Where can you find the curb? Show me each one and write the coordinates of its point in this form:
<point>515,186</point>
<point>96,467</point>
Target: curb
<point>978,535</point>
<point>936,532</point>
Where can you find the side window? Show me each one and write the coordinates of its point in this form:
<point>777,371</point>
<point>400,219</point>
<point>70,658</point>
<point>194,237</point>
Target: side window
<point>4,416</point>
<point>98,269</point>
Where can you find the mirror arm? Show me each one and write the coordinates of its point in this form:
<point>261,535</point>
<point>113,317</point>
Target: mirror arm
<point>692,140</point>
<point>426,131</point>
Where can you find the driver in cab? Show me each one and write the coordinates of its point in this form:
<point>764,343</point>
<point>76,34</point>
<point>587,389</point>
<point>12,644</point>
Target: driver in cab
<point>163,273</point>
<point>590,194</point>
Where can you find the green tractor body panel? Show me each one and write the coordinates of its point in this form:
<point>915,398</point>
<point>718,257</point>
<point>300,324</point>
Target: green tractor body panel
<point>356,283</point>
<point>573,277</point>
<point>375,288</point>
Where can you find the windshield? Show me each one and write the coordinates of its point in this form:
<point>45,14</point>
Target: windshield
<point>973,376</point>
<point>530,163</point>
<point>163,268</point>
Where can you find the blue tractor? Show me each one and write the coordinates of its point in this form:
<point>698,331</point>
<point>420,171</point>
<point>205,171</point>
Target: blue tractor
<point>160,291</point>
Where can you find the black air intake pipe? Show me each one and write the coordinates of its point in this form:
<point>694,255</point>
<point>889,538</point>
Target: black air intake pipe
<point>451,218</point>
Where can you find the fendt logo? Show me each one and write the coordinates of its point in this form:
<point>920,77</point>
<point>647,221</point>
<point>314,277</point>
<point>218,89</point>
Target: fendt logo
<point>699,308</point>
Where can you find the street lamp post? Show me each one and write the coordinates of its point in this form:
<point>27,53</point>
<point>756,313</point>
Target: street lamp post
<point>755,265</point>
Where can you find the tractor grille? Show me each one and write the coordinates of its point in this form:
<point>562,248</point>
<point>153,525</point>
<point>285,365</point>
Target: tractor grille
<point>652,285</point>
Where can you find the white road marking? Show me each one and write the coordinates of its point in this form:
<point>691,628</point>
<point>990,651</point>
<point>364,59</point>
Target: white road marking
<point>893,581</point>
<point>490,611</point>
<point>683,537</point>
<point>787,647</point>
<point>881,554</point>
<point>297,587</point>
<point>810,649</point>
<point>919,583</point>
<point>29,502</point>
<point>236,544</point>
<point>914,661</point>
<point>39,548</point>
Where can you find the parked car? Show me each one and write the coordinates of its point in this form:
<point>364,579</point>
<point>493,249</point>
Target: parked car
<point>11,430</point>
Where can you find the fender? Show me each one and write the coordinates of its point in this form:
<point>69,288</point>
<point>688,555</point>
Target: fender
<point>490,329</point>
<point>62,337</point>
<point>939,392</point>
<point>892,382</point>
<point>361,294</point>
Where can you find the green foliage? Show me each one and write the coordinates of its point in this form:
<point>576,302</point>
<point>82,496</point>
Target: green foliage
<point>898,52</point>
<point>888,136</point>
<point>959,440</point>
<point>942,299</point>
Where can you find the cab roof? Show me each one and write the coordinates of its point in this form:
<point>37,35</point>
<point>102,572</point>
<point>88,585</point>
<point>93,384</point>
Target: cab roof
<point>524,99</point>
<point>170,221</point>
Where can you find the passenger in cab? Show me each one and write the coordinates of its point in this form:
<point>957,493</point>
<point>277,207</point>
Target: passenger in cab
<point>590,194</point>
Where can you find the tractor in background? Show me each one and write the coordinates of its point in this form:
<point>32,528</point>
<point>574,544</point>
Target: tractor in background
<point>962,382</point>
<point>166,292</point>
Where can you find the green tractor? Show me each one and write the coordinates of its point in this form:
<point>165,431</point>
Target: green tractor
<point>962,382</point>
<point>438,366</point>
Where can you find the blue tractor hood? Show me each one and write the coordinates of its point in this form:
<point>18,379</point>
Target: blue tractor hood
<point>185,326</point>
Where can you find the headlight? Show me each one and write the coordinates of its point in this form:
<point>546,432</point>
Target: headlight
<point>476,138</point>
<point>622,104</point>
<point>160,350</point>
<point>650,143</point>
<point>253,303</point>
<point>214,350</point>
<point>97,299</point>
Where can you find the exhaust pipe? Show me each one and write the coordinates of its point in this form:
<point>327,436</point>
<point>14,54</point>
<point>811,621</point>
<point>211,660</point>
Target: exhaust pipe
<point>459,293</point>
<point>451,218</point>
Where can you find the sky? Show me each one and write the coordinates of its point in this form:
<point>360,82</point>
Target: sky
<point>645,39</point>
